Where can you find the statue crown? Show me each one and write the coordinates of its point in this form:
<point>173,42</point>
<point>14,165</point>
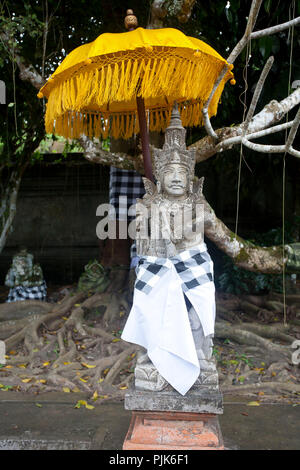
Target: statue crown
<point>174,149</point>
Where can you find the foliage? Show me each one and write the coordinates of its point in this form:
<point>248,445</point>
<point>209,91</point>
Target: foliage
<point>235,280</point>
<point>94,279</point>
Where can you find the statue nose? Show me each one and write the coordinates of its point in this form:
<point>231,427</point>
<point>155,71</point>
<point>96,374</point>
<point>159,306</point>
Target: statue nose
<point>176,178</point>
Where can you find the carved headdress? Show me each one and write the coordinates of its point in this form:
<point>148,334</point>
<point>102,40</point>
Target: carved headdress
<point>174,149</point>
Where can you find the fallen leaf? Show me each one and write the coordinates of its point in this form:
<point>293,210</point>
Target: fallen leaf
<point>244,414</point>
<point>95,395</point>
<point>100,380</point>
<point>77,305</point>
<point>115,340</point>
<point>89,366</point>
<point>260,393</point>
<point>79,403</point>
<point>84,403</point>
<point>7,367</point>
<point>67,363</point>
<point>82,380</point>
<point>253,403</point>
<point>65,318</point>
<point>89,407</point>
<point>43,381</point>
<point>273,374</point>
<point>12,352</point>
<point>66,390</point>
<point>38,405</point>
<point>46,364</point>
<point>105,371</point>
<point>22,366</point>
<point>75,390</point>
<point>26,380</point>
<point>124,387</point>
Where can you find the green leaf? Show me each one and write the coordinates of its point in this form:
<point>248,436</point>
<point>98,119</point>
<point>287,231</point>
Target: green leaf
<point>228,15</point>
<point>267,5</point>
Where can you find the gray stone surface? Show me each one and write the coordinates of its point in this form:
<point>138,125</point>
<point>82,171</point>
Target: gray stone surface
<point>58,425</point>
<point>195,401</point>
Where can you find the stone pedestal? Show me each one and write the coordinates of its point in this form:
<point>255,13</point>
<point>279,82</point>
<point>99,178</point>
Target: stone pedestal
<point>168,420</point>
<point>195,401</point>
<point>173,431</point>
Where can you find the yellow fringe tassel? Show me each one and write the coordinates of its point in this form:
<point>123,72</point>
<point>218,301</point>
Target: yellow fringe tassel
<point>88,100</point>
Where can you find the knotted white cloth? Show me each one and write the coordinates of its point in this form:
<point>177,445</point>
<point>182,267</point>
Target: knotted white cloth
<point>158,320</point>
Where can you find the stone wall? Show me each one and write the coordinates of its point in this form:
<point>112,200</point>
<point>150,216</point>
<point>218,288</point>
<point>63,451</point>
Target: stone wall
<point>56,217</point>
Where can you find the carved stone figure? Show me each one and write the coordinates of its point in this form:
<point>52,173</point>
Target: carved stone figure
<point>25,278</point>
<point>169,222</point>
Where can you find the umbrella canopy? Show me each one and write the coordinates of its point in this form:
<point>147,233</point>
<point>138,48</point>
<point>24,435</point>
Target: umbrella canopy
<point>94,89</point>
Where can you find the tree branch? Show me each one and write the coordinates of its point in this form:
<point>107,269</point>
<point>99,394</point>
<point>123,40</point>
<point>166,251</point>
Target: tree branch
<point>257,92</point>
<point>275,29</point>
<point>27,71</point>
<point>94,153</point>
<point>245,254</point>
<point>160,9</point>
<point>272,113</point>
<point>248,35</point>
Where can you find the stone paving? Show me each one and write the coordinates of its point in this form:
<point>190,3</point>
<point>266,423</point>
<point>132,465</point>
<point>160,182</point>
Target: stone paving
<point>51,422</point>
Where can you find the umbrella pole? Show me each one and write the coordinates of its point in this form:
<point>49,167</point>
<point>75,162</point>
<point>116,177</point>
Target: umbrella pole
<point>144,137</point>
<point>130,24</point>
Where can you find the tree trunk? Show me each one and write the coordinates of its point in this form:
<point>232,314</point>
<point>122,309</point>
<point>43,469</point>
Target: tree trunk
<point>8,203</point>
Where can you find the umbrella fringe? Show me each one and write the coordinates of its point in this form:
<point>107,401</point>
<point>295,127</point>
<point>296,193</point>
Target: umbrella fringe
<point>73,104</point>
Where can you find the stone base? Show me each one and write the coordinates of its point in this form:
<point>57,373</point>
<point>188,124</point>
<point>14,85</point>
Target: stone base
<point>178,431</point>
<point>196,400</point>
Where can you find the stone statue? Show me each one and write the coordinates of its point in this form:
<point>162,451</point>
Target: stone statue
<point>25,278</point>
<point>170,221</point>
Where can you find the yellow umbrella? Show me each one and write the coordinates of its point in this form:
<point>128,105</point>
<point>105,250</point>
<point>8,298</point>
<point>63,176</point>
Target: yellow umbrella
<point>94,90</point>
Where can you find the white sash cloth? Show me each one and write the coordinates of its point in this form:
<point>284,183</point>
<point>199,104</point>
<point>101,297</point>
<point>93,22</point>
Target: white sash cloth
<point>158,320</point>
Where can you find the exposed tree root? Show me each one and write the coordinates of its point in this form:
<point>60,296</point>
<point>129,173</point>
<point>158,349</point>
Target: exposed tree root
<point>75,345</point>
<point>240,336</point>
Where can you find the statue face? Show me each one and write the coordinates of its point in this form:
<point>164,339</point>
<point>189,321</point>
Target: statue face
<point>175,180</point>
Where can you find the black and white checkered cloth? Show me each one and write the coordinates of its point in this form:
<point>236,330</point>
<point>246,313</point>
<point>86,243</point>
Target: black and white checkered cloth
<point>27,293</point>
<point>194,268</point>
<point>126,183</point>
<point>125,187</point>
<point>160,322</point>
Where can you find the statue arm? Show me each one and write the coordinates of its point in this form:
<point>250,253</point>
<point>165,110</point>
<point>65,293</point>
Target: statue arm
<point>141,227</point>
<point>10,278</point>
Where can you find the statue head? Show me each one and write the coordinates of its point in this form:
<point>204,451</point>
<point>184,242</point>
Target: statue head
<point>22,262</point>
<point>174,164</point>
